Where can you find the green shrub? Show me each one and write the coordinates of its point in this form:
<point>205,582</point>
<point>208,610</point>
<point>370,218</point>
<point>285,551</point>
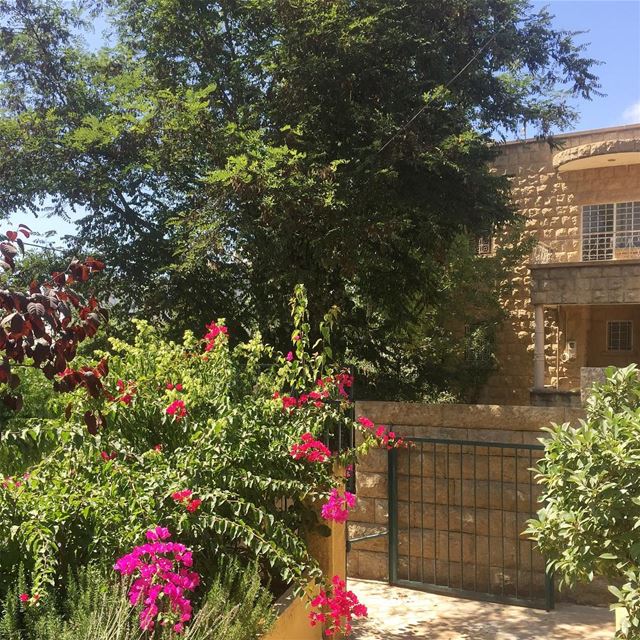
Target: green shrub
<point>231,449</point>
<point>236,607</point>
<point>590,522</point>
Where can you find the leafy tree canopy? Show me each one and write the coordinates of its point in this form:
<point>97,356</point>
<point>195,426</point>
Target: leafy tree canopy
<point>225,151</point>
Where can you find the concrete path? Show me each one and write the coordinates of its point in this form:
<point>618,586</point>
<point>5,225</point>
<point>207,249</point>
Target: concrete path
<point>405,614</point>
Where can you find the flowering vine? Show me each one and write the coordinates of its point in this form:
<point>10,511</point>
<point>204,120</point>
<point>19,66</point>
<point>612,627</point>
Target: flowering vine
<point>311,450</point>
<point>214,331</point>
<point>162,580</point>
<point>335,607</point>
<point>338,506</point>
<point>185,497</point>
<point>385,437</point>
<point>177,409</point>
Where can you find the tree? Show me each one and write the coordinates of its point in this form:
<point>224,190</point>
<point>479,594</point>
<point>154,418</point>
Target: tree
<point>226,151</point>
<point>43,326</point>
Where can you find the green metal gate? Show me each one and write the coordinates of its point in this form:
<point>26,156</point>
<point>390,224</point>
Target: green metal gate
<point>456,512</point>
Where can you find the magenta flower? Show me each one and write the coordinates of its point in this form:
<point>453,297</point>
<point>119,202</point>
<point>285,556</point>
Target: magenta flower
<point>215,330</point>
<point>159,533</point>
<point>337,607</point>
<point>184,497</point>
<point>366,423</point>
<point>311,450</point>
<point>177,409</point>
<point>161,581</point>
<point>290,356</point>
<point>338,506</point>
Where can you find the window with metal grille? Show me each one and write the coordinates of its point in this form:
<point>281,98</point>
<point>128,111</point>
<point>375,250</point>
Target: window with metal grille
<point>619,335</point>
<point>610,230</point>
<point>484,245</point>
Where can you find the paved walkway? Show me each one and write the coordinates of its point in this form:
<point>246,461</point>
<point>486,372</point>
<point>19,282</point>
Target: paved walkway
<point>405,614</point>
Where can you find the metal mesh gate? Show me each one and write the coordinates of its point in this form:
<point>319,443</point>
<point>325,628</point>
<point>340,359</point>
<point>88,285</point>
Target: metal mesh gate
<point>456,512</point>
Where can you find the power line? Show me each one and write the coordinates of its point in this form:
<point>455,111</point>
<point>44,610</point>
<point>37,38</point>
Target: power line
<point>411,120</point>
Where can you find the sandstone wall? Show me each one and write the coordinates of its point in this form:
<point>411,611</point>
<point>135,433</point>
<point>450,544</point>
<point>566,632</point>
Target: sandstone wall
<point>551,203</point>
<point>482,526</point>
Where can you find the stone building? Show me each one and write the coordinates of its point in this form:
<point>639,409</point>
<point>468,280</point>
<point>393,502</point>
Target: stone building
<point>574,305</point>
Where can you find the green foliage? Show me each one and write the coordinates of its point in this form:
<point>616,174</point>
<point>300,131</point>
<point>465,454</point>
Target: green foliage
<point>231,449</point>
<point>589,523</point>
<point>225,151</point>
<point>236,607</point>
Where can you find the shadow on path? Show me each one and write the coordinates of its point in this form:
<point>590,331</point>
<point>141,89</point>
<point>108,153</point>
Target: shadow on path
<point>405,614</point>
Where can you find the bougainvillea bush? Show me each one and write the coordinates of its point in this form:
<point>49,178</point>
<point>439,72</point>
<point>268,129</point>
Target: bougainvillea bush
<point>224,447</point>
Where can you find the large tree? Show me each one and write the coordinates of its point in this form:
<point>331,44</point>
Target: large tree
<point>225,151</point>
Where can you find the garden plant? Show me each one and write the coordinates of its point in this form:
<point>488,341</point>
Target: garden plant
<point>165,461</point>
<point>590,520</point>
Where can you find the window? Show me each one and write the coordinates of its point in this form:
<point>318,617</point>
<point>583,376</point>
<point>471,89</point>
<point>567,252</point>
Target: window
<point>610,230</point>
<point>619,335</point>
<point>484,245</point>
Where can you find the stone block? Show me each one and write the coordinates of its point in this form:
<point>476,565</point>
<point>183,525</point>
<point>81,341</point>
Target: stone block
<point>381,511</point>
<point>375,461</point>
<point>371,485</point>
<point>373,566</point>
<point>364,511</point>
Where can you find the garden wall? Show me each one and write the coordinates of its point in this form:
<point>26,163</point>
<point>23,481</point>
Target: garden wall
<point>484,423</point>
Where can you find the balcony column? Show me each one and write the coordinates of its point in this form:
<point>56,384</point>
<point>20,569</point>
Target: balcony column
<point>538,348</point>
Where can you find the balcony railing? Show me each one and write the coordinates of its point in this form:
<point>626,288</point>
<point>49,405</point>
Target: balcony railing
<point>603,247</point>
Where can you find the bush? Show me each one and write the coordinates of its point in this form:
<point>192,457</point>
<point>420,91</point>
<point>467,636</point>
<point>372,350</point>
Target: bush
<point>590,520</point>
<point>236,607</point>
<point>195,436</point>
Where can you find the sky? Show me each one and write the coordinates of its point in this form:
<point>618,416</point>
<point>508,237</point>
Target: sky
<point>613,37</point>
<point>612,33</point>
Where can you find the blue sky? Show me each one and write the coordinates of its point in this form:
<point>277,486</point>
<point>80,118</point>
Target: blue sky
<point>613,36</point>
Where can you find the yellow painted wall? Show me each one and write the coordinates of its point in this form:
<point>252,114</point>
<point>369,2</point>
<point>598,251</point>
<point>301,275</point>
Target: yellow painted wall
<point>330,552</point>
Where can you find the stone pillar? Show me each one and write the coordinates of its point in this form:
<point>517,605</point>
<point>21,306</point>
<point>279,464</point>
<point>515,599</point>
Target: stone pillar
<point>538,352</point>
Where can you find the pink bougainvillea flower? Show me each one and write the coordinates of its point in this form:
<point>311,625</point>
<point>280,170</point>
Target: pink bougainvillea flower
<point>290,356</point>
<point>338,506</point>
<point>311,450</point>
<point>108,456</point>
<point>161,580</point>
<point>180,496</point>
<point>184,497</point>
<point>193,505</point>
<point>336,607</point>
<point>158,448</point>
<point>169,386</point>
<point>159,533</point>
<point>289,402</point>
<point>177,409</point>
<point>25,597</point>
<point>214,330</point>
<point>297,337</point>
<point>366,423</point>
<point>179,387</point>
<point>126,390</point>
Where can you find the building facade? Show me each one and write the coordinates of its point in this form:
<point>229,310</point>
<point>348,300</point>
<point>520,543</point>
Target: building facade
<point>574,305</point>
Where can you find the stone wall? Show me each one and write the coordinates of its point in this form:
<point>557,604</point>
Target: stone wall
<point>550,202</point>
<point>472,528</point>
<point>587,283</point>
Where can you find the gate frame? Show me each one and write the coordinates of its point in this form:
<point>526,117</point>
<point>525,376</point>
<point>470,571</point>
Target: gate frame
<point>393,531</point>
